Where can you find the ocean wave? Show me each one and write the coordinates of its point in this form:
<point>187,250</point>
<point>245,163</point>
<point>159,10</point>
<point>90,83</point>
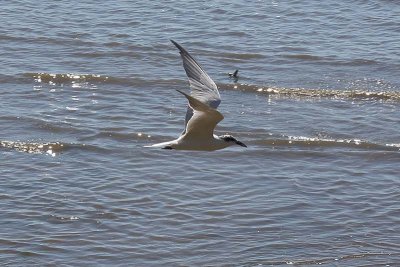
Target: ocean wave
<point>240,56</point>
<point>73,78</point>
<point>332,60</point>
<point>49,148</point>
<point>278,141</point>
<point>327,260</point>
<point>63,78</point>
<point>118,136</point>
<point>57,148</point>
<point>304,57</point>
<point>315,93</point>
<point>316,142</point>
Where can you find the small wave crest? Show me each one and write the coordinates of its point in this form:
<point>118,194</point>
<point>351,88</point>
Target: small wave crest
<point>35,148</point>
<point>312,142</point>
<point>62,78</point>
<point>92,79</point>
<point>315,93</point>
<point>50,148</point>
<point>75,78</point>
<point>332,60</point>
<point>303,57</point>
<point>330,259</point>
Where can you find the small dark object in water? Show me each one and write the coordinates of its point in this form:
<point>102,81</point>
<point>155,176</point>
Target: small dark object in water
<point>234,74</point>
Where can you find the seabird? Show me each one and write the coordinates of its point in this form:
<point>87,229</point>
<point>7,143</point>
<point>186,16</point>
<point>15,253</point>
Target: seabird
<point>202,115</point>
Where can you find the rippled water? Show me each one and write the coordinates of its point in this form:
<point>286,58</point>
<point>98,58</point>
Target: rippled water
<point>84,86</point>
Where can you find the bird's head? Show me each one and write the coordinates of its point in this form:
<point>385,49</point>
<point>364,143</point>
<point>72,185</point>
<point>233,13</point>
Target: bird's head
<point>231,140</point>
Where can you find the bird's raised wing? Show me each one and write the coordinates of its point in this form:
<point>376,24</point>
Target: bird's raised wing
<point>204,119</point>
<point>203,88</point>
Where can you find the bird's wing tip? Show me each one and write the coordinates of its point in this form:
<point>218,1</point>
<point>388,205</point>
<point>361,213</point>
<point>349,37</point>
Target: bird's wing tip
<point>181,49</point>
<point>183,93</point>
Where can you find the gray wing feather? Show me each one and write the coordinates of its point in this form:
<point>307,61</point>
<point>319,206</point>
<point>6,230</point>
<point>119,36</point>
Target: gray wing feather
<point>204,119</point>
<point>202,86</point>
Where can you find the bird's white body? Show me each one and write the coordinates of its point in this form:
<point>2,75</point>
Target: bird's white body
<point>202,115</point>
<point>187,143</point>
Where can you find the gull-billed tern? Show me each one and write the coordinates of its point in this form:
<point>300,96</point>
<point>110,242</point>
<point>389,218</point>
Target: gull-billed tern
<point>202,115</point>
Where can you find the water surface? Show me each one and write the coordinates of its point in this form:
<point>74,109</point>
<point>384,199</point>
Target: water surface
<point>84,86</point>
